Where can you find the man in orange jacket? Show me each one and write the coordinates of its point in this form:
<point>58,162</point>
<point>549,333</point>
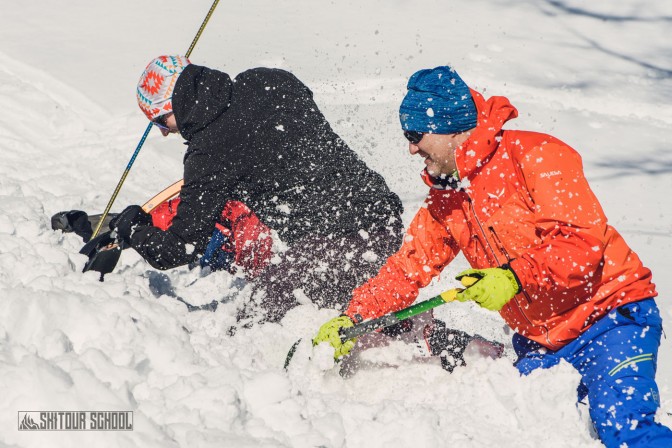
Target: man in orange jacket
<point>518,206</point>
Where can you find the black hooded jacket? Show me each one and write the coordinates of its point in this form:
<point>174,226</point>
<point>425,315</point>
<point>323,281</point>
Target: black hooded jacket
<point>260,139</point>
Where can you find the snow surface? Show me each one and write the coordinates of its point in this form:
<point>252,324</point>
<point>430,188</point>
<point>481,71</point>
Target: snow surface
<point>596,75</point>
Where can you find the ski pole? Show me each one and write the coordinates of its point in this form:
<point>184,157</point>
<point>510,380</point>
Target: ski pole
<point>149,128</point>
<point>398,316</point>
<point>389,319</point>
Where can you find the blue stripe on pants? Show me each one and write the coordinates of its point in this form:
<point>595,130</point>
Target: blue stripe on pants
<point>617,358</point>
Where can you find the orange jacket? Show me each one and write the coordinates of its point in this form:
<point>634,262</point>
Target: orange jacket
<point>523,201</point>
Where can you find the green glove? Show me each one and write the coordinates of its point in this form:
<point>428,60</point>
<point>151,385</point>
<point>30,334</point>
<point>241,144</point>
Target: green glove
<point>493,288</point>
<point>329,333</point>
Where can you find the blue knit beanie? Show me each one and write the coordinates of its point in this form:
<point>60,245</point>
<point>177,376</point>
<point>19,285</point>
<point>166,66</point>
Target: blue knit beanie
<point>437,102</point>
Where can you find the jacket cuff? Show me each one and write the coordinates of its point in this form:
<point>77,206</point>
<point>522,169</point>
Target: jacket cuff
<point>518,285</point>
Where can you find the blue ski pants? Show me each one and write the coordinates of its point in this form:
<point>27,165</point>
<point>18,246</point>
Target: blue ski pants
<point>617,358</point>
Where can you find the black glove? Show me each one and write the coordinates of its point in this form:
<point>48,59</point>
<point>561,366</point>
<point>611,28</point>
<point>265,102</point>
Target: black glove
<point>73,221</point>
<point>126,221</point>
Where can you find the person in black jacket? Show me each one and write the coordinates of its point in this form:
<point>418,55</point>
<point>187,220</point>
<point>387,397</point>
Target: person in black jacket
<point>261,139</point>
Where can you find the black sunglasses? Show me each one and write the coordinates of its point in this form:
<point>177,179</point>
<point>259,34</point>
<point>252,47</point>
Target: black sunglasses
<point>161,122</point>
<point>414,136</point>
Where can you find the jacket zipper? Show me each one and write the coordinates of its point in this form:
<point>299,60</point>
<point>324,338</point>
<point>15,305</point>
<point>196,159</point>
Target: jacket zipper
<point>527,296</point>
<point>503,250</point>
<point>508,258</point>
<point>500,245</point>
<point>478,221</point>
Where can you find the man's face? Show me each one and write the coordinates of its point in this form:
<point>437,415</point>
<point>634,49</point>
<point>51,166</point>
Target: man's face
<point>167,124</point>
<point>171,124</point>
<point>438,150</point>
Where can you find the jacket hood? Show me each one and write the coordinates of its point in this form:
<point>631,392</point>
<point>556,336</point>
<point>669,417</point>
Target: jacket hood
<point>201,96</point>
<point>492,114</point>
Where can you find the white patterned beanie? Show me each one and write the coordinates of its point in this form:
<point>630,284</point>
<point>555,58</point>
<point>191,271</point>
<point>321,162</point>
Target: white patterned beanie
<point>157,83</point>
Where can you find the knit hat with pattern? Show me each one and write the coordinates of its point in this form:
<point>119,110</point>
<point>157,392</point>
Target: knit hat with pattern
<point>157,83</point>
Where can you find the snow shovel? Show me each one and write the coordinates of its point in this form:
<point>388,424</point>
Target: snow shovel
<point>103,252</point>
<point>391,318</point>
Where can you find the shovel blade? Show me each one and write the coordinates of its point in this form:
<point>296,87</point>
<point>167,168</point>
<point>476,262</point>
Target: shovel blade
<point>103,253</point>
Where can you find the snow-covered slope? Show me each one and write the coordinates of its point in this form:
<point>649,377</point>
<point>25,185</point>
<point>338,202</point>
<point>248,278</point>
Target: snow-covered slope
<point>597,77</point>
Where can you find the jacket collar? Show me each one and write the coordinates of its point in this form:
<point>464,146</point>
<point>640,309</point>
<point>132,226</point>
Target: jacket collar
<point>474,152</point>
<point>492,114</point>
<point>441,183</point>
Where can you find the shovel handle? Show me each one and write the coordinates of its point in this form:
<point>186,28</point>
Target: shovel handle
<point>397,316</point>
<point>391,318</point>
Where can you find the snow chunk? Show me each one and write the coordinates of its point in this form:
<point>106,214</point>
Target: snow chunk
<point>370,256</point>
<point>323,356</point>
<point>266,389</point>
<point>284,208</point>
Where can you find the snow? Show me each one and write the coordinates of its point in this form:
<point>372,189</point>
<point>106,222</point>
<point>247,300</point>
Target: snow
<point>596,75</point>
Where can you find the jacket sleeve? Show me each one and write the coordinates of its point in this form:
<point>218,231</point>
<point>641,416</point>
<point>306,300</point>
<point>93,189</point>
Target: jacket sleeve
<point>202,200</point>
<point>571,225</point>
<point>426,250</point>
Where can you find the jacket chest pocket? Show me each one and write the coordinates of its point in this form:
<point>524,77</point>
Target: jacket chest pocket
<point>473,245</point>
<point>512,228</point>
